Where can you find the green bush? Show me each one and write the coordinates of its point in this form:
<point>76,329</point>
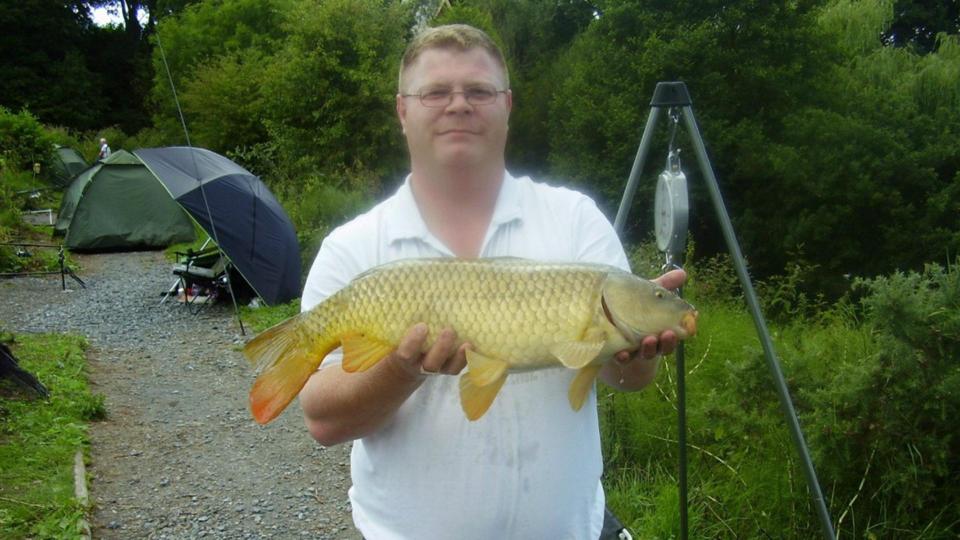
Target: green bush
<point>23,141</point>
<point>876,385</point>
<point>884,427</point>
<point>321,203</point>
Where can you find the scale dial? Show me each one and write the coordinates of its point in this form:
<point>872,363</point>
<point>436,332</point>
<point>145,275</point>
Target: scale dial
<point>671,212</point>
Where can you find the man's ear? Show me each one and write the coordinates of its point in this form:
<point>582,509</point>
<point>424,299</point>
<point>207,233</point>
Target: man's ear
<point>402,112</point>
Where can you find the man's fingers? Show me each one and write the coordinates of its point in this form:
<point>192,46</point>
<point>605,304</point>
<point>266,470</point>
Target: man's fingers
<point>459,360</point>
<point>648,347</point>
<point>663,344</point>
<point>411,344</point>
<point>441,351</point>
<point>668,342</point>
<point>673,279</point>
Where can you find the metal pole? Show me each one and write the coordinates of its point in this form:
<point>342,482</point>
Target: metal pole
<point>682,438</point>
<point>631,188</point>
<point>63,280</point>
<point>772,362</point>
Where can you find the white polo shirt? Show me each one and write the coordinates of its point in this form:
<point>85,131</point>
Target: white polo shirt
<point>530,467</point>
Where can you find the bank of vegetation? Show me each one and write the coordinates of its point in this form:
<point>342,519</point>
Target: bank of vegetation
<point>832,126</point>
<point>39,439</point>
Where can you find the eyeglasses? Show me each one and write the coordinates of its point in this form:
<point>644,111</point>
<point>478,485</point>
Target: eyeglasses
<point>441,97</point>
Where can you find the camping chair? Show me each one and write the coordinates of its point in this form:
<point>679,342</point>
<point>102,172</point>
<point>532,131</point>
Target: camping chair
<point>200,277</point>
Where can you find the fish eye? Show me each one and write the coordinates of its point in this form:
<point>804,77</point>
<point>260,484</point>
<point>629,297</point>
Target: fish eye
<point>659,294</point>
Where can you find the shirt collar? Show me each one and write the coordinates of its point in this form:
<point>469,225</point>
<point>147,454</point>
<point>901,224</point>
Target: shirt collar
<point>405,222</point>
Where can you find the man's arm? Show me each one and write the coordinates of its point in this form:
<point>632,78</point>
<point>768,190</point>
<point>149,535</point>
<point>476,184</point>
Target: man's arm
<point>340,407</point>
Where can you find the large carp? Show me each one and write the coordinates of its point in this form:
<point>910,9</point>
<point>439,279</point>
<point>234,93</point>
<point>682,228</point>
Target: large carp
<point>517,314</point>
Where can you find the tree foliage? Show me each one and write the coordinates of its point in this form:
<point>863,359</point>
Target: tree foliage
<point>831,124</point>
<point>44,63</point>
<point>332,86</point>
<point>917,23</point>
<point>193,46</point>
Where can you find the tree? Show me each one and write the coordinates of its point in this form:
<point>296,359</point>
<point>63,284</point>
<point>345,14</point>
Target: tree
<point>130,12</point>
<point>746,63</point>
<point>232,34</point>
<point>331,87</point>
<point>534,34</point>
<point>916,23</point>
<point>44,65</point>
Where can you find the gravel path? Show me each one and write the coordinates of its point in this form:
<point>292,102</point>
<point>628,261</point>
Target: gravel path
<point>178,455</point>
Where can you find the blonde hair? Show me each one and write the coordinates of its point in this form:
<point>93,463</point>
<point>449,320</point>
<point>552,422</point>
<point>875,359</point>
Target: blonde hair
<point>459,37</point>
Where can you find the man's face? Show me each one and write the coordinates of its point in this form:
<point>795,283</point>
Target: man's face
<point>460,133</point>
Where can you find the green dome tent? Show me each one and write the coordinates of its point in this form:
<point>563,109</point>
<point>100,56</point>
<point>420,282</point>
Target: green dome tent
<point>119,204</point>
<point>66,164</point>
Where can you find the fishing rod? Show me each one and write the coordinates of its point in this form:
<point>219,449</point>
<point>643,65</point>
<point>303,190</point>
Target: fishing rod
<point>196,175</point>
<point>671,220</point>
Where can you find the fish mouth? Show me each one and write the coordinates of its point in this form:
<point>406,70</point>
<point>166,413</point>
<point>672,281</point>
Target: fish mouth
<point>689,322</point>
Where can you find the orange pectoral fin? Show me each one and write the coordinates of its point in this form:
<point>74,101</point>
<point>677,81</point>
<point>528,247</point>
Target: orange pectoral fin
<point>360,352</point>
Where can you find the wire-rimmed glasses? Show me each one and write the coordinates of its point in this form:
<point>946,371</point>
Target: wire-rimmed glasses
<point>482,94</point>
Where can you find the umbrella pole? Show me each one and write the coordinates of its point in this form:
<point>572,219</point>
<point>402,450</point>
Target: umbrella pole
<point>236,309</point>
<point>203,194</point>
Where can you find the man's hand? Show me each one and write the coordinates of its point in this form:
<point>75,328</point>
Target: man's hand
<point>340,406</point>
<point>634,370</point>
<point>443,357</point>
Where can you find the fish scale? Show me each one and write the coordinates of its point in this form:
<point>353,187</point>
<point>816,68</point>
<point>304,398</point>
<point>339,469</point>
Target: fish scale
<point>484,303</point>
<point>516,314</point>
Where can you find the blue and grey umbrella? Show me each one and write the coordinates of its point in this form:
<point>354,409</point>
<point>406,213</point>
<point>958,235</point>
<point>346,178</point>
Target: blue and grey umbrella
<point>237,211</point>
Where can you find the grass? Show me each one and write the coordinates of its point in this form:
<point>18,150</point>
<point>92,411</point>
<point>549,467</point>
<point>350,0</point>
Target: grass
<point>263,317</point>
<point>745,479</point>
<point>38,440</point>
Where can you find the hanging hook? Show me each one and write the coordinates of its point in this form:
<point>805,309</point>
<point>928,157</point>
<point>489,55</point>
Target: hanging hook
<point>673,155</point>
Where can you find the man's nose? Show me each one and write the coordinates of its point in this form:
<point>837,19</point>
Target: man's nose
<point>458,102</point>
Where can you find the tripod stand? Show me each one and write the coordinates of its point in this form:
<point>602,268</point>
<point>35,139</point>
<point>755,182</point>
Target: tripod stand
<point>674,95</point>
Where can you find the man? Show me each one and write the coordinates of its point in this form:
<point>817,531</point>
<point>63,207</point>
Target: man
<point>530,468</point>
<point>104,150</point>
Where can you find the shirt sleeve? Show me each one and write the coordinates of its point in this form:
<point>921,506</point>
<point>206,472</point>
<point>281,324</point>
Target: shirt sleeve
<point>335,265</point>
<point>597,241</point>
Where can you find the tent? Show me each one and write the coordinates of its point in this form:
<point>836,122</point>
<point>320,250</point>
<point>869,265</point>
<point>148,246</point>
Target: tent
<point>238,211</point>
<point>66,164</point>
<point>119,204</point>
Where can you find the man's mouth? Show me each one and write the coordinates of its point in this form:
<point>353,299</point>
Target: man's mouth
<point>457,132</point>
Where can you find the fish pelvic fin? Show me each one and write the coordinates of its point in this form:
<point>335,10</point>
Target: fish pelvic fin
<point>480,385</point>
<point>285,361</point>
<point>582,385</point>
<point>484,370</point>
<point>577,354</point>
<point>361,352</point>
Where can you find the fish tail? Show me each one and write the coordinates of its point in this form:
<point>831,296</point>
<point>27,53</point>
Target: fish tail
<point>285,361</point>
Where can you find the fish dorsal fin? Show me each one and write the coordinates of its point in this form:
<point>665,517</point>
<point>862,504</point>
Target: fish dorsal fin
<point>576,354</point>
<point>484,370</point>
<point>581,385</point>
<point>360,351</point>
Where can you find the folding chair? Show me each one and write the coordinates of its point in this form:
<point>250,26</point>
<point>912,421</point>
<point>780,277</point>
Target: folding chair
<point>200,277</point>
